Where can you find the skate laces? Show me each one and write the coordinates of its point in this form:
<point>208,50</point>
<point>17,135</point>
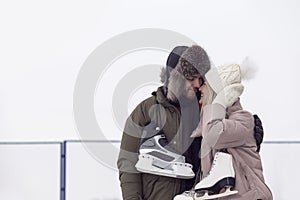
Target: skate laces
<point>213,165</point>
<point>164,143</point>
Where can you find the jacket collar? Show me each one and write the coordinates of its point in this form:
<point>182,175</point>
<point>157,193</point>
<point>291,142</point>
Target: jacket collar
<point>161,97</point>
<point>183,102</point>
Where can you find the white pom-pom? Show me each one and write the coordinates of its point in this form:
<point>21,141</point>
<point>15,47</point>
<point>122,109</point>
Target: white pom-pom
<point>248,69</point>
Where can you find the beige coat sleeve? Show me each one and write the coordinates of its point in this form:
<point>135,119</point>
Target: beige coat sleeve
<point>221,133</point>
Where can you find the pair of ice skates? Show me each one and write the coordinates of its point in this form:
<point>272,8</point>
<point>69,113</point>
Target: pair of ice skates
<point>218,183</point>
<point>156,158</point>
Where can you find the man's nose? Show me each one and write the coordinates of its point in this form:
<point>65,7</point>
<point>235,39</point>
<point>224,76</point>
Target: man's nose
<point>195,83</point>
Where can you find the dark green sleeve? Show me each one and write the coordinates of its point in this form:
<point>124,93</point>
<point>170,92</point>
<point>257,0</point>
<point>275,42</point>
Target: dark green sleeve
<point>130,179</point>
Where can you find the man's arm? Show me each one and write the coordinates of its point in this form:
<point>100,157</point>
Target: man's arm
<point>130,178</point>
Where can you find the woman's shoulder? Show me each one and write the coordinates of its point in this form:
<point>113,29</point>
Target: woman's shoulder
<point>237,112</point>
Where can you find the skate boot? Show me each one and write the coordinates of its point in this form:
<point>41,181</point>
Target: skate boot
<point>219,181</point>
<point>154,158</point>
<point>187,195</point>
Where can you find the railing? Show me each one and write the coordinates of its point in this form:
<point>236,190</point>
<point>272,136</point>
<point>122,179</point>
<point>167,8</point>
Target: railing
<point>280,161</point>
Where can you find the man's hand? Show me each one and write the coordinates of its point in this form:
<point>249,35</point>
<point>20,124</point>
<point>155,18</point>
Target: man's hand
<point>258,131</point>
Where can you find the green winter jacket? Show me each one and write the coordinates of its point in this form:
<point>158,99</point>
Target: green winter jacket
<point>167,116</point>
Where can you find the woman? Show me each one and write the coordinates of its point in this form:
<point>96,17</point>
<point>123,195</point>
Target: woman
<point>225,126</point>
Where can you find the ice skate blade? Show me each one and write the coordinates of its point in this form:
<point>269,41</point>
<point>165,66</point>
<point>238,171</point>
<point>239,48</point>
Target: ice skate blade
<point>145,165</point>
<point>160,172</point>
<point>228,192</point>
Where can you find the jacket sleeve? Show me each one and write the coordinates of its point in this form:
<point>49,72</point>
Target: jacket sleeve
<point>221,133</point>
<point>130,178</point>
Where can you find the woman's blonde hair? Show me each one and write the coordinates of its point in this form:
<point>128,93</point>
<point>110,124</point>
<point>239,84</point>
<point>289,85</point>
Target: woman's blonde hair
<point>209,95</point>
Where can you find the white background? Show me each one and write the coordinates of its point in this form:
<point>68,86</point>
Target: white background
<point>43,45</point>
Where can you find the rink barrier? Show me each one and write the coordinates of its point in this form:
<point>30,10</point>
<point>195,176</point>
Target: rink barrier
<point>63,162</point>
<point>63,154</point>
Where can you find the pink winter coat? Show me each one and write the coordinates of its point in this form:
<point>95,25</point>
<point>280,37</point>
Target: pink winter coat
<point>232,129</point>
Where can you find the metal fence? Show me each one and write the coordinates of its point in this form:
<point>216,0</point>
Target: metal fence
<point>280,162</point>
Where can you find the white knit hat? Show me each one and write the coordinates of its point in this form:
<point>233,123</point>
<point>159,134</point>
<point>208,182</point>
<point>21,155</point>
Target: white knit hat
<point>230,77</point>
<point>225,75</point>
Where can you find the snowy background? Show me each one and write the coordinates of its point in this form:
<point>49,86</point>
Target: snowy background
<point>43,46</point>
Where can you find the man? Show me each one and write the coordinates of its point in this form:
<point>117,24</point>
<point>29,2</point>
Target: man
<point>174,108</point>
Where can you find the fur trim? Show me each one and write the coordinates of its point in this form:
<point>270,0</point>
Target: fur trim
<point>175,86</point>
<point>163,75</point>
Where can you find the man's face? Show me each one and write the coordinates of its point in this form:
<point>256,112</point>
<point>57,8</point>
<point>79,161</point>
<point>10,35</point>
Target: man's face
<point>192,85</point>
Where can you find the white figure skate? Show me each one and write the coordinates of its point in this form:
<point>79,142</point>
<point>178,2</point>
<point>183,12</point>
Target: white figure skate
<point>221,177</point>
<point>155,159</point>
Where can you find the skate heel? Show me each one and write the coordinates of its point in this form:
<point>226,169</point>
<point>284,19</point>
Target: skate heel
<point>228,182</point>
<point>225,182</point>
